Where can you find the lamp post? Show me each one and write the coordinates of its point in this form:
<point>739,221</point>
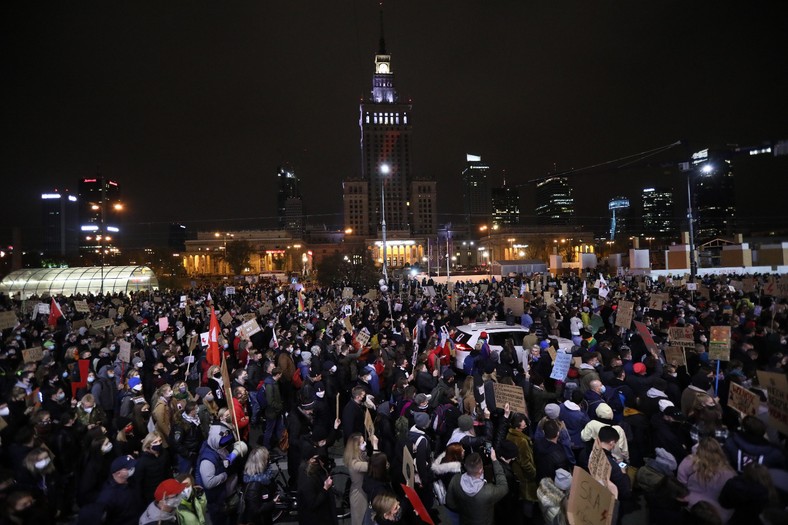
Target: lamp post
<point>384,170</point>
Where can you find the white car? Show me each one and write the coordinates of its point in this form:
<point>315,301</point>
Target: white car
<point>466,336</point>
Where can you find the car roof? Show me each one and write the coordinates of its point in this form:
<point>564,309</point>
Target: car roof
<point>491,326</point>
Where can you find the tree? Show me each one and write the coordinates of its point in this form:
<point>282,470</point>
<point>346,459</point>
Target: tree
<point>238,255</point>
<point>356,270</point>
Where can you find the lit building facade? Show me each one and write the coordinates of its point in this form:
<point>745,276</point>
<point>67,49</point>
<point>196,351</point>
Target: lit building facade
<point>424,207</point>
<point>658,212</point>
<point>714,206</point>
<point>554,201</point>
<point>99,217</point>
<point>476,195</point>
<point>289,203</point>
<point>619,210</point>
<point>505,205</point>
<point>60,224</point>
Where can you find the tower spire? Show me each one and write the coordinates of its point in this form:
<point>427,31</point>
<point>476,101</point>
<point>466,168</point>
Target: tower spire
<point>382,43</point>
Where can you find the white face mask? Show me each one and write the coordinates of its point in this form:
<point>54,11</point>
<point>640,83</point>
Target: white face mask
<point>139,365</point>
<point>88,409</point>
<point>333,369</point>
<point>106,447</point>
<point>320,394</point>
<point>131,472</point>
<point>4,411</point>
<point>91,379</point>
<point>363,446</point>
<point>43,463</point>
<point>187,492</point>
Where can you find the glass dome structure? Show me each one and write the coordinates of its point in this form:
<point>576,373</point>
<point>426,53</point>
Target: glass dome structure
<point>82,280</point>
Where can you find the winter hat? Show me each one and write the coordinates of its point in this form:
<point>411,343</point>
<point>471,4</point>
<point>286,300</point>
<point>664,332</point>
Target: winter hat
<point>319,433</point>
<point>701,380</point>
<point>483,335</point>
<point>639,368</point>
<point>674,413</point>
<point>552,410</point>
<point>543,344</point>
<point>465,423</point>
<point>421,420</point>
<point>135,383</point>
<point>306,356</point>
<point>666,459</point>
<point>604,411</point>
<point>121,462</point>
<point>448,373</point>
<point>664,404</point>
<point>169,487</point>
<point>136,362</point>
<point>420,399</point>
<point>563,479</point>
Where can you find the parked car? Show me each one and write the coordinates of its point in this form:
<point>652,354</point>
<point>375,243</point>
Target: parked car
<point>466,336</point>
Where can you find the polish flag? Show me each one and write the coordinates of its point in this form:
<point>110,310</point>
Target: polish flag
<point>55,313</point>
<point>212,355</point>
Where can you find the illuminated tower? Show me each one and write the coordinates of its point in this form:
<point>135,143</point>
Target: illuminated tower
<point>619,209</point>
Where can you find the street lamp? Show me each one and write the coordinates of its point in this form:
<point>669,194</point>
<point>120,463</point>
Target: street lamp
<point>384,170</point>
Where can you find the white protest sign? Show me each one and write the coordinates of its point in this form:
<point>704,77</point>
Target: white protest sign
<point>563,361</point>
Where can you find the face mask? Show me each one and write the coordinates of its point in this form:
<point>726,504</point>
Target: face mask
<point>363,446</point>
<point>173,502</point>
<point>397,515</point>
<point>171,359</point>
<point>106,448</point>
<point>187,492</point>
<point>91,379</point>
<point>298,352</point>
<point>131,472</point>
<point>43,463</point>
<point>4,411</point>
<point>604,388</point>
<point>88,409</point>
<point>157,448</point>
<point>138,365</point>
<point>217,375</point>
<point>111,375</point>
<point>333,369</point>
<point>61,396</point>
<point>320,394</point>
<point>182,389</point>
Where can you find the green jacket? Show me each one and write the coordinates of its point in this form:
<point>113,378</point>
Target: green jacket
<point>477,509</point>
<point>193,511</point>
<point>524,466</point>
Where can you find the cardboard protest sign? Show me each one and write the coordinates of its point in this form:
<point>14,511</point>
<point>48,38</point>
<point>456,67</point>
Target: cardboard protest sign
<point>511,394</point>
<point>408,467</point>
<point>7,320</point>
<point>418,505</point>
<point>117,331</point>
<point>646,335</point>
<point>164,323</point>
<point>112,313</point>
<point>249,328</point>
<point>100,324</point>
<point>116,301</point>
<point>227,319</point>
<point>157,299</point>
<point>624,314</point>
<point>720,343</point>
<point>683,336</point>
<point>748,285</point>
<point>247,317</point>
<point>182,302</point>
<point>81,307</point>
<point>515,304</point>
<point>124,353</point>
<point>229,290</point>
<point>369,425</point>
<point>742,400</point>
<point>552,352</point>
<point>33,355</point>
<point>363,336</point>
<point>347,293</point>
<point>76,325</point>
<point>776,287</point>
<point>121,311</point>
<point>656,300</point>
<point>429,291</point>
<point>598,464</point>
<point>42,308</point>
<point>692,287</point>
<point>590,503</point>
<point>561,366</point>
<point>777,398</point>
<point>675,354</point>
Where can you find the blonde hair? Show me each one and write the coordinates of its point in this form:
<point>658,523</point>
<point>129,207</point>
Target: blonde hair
<point>150,438</point>
<point>709,460</point>
<point>383,503</point>
<point>353,451</point>
<point>257,462</point>
<point>88,398</point>
<point>32,457</point>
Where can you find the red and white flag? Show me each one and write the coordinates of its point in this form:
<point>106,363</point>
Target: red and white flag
<point>55,313</point>
<point>212,356</point>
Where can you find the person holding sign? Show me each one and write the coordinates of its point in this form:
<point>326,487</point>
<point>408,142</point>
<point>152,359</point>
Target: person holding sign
<point>357,463</point>
<point>607,440</point>
<point>471,496</point>
<point>750,446</point>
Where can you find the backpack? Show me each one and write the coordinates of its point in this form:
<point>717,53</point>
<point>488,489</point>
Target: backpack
<point>441,418</point>
<point>401,428</point>
<point>647,478</point>
<point>258,402</point>
<point>298,382</point>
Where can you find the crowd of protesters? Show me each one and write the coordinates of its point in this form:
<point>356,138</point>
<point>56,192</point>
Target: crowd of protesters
<point>135,422</point>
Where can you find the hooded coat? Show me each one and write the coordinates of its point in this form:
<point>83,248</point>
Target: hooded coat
<point>473,499</point>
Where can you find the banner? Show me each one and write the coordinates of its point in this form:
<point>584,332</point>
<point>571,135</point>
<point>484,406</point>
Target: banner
<point>777,389</point>
<point>511,394</point>
<point>683,336</point>
<point>742,400</point>
<point>81,307</point>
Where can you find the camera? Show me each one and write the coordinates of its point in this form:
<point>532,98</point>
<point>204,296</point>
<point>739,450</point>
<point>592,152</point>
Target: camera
<point>487,448</point>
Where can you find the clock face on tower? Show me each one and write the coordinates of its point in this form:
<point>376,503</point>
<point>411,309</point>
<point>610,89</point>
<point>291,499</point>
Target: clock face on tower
<point>383,67</point>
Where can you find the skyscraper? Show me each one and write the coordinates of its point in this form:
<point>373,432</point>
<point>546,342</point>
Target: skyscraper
<point>619,209</point>
<point>59,221</point>
<point>713,193</point>
<point>476,196</point>
<point>289,204</point>
<point>99,214</point>
<point>554,201</point>
<point>505,205</point>
<point>658,213</point>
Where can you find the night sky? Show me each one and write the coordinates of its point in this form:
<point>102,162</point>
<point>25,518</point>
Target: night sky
<point>192,105</point>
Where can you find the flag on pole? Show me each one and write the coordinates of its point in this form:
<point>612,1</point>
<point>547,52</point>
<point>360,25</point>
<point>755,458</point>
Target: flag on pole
<point>585,292</point>
<point>209,298</point>
<point>212,355</point>
<point>55,313</point>
<point>274,341</point>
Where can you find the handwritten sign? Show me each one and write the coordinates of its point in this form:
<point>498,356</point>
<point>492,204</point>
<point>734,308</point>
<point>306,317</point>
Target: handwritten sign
<point>646,335</point>
<point>229,290</point>
<point>227,319</point>
<point>511,394</point>
<point>408,467</point>
<point>43,308</point>
<point>363,336</point>
<point>656,300</point>
<point>598,464</point>
<point>682,336</point>
<point>429,291</point>
<point>100,324</point>
<point>33,355</point>
<point>249,328</point>
<point>164,323</point>
<point>742,400</point>
<point>589,503</point>
<point>624,314</point>
<point>720,343</point>
<point>204,338</point>
<point>124,353</point>
<point>369,425</point>
<point>347,293</point>
<point>777,389</point>
<point>7,320</point>
<point>249,316</point>
<point>561,366</point>
<point>515,304</point>
<point>675,355</point>
<point>81,307</point>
